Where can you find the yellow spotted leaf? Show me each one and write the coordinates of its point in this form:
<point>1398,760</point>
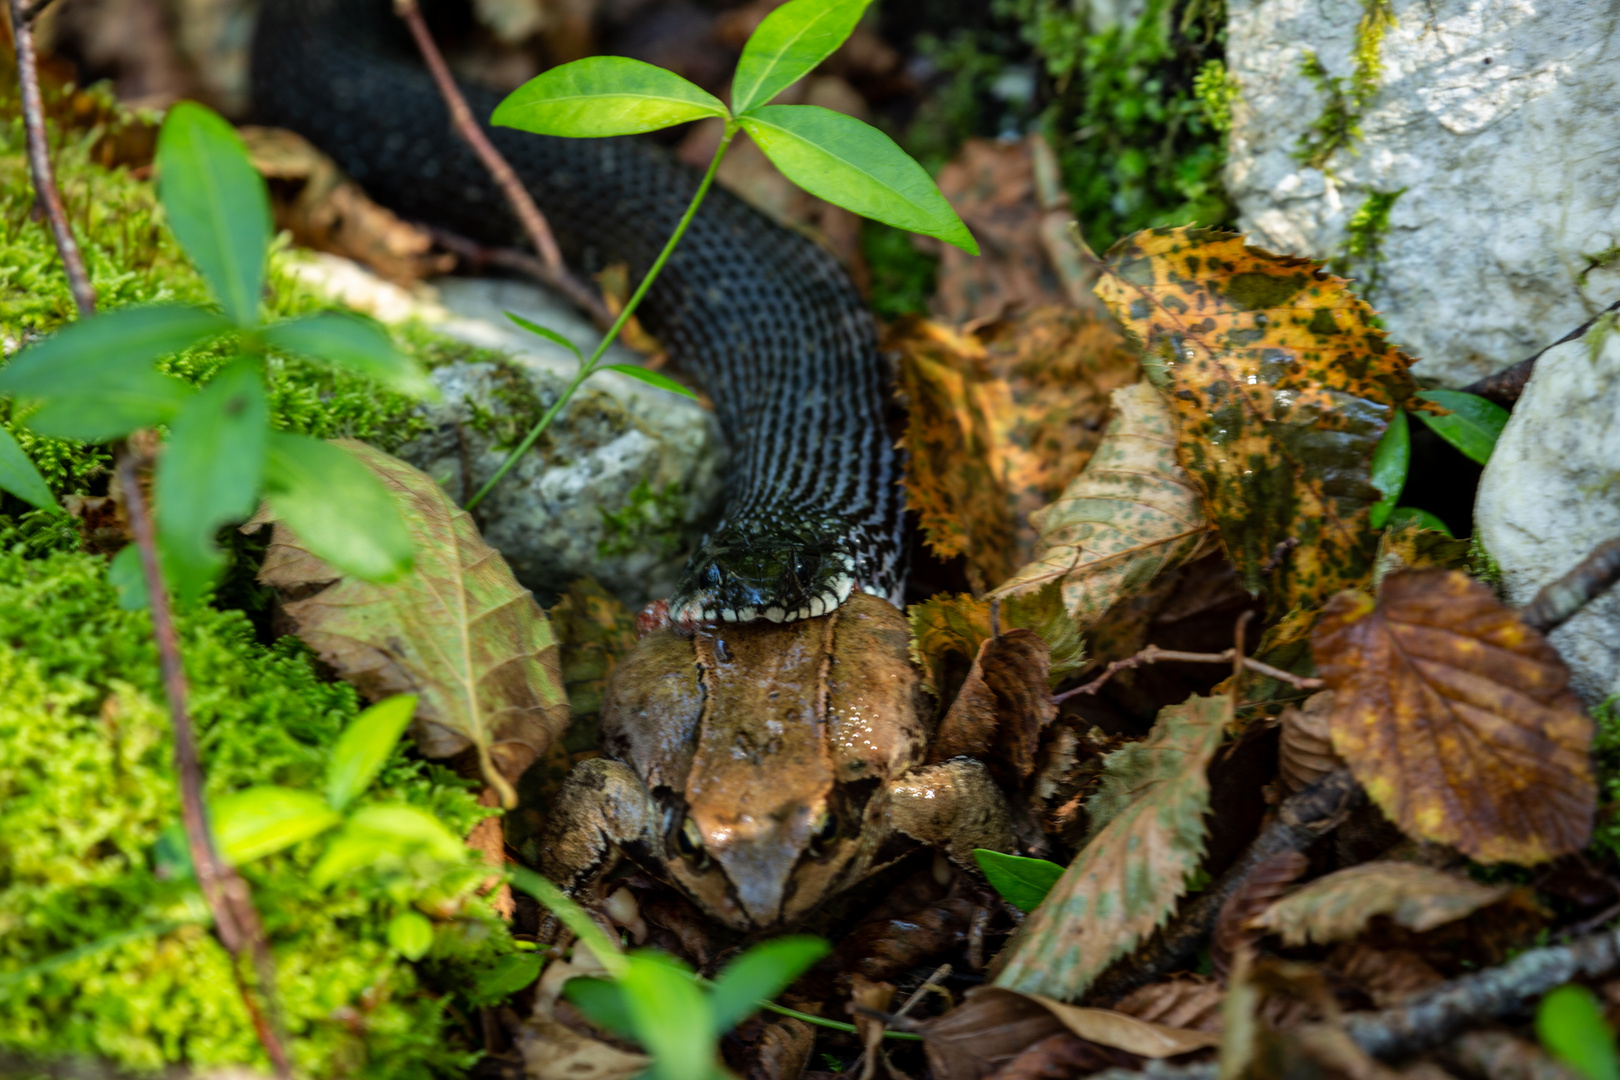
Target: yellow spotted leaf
<point>1148,835</point>
<point>1283,386</point>
<point>1457,718</point>
<point>947,631</point>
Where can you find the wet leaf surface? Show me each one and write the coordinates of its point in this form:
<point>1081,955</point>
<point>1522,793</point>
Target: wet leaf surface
<point>1457,718</point>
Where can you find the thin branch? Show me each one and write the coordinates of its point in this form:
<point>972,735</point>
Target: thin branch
<point>39,158</point>
<point>235,918</point>
<point>1558,601</point>
<point>528,214</point>
<point>1154,655</point>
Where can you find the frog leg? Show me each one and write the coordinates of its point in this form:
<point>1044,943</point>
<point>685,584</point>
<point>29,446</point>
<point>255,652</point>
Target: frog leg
<point>602,808</point>
<point>953,806</point>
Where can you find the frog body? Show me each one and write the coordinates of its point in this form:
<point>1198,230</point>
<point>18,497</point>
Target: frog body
<point>763,768</point>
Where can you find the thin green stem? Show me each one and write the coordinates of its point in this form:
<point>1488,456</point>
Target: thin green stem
<point>612,334</point>
<point>836,1025</point>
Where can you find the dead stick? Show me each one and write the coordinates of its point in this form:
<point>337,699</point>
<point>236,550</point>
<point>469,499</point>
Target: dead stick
<point>1559,600</point>
<point>528,214</point>
<point>1153,655</point>
<point>39,160</point>
<point>235,919</point>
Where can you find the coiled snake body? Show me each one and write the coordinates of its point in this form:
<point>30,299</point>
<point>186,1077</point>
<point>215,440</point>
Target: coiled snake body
<point>766,319</point>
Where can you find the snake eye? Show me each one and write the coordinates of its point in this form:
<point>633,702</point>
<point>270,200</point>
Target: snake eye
<point>825,831</point>
<point>689,842</point>
<point>804,567</point>
<point>711,575</point>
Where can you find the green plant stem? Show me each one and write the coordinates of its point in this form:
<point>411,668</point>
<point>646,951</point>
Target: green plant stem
<point>836,1025</point>
<point>612,334</point>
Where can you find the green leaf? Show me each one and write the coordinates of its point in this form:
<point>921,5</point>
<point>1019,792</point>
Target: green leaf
<point>379,834</point>
<point>354,344</point>
<point>1391,459</point>
<point>217,205</point>
<point>604,95</point>
<point>670,1015</point>
<point>209,473</point>
<point>364,746</point>
<point>18,475</point>
<point>1425,520</point>
<point>571,915</point>
<point>510,974</point>
<point>103,345</point>
<point>758,975</point>
<point>550,335</point>
<point>337,506</point>
<point>410,934</point>
<point>788,45</point>
<point>111,406</point>
<point>603,1002</point>
<point>1472,426</point>
<point>260,821</point>
<point>856,166</point>
<point>651,378</point>
<point>126,575</point>
<point>1022,882</point>
<point>1572,1028</point>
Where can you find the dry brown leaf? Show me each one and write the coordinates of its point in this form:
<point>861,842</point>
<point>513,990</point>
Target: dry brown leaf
<point>1062,1057</point>
<point>1002,709</point>
<point>1457,718</point>
<point>1147,835</point>
<point>1284,385</point>
<point>325,210</point>
<point>1192,1002</point>
<point>782,1051</point>
<point>1122,1031</point>
<point>1260,889</point>
<point>1305,752</point>
<point>1130,516</point>
<point>867,994</point>
<point>1340,905</point>
<point>998,421</point>
<point>1388,976</point>
<point>457,630</point>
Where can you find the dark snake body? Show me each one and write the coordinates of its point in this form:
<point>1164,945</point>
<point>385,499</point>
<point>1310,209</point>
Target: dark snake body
<point>767,320</point>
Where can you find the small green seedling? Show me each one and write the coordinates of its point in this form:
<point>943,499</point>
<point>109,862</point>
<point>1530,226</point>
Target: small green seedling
<point>1391,460</point>
<point>1572,1028</point>
<point>1472,426</point>
<point>96,381</point>
<point>832,156</point>
<point>1022,882</point>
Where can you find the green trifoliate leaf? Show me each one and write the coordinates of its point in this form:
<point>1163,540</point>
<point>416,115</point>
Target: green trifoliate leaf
<point>261,821</point>
<point>103,346</point>
<point>111,407</point>
<point>1473,424</point>
<point>671,1016</point>
<point>19,476</point>
<point>217,205</point>
<point>337,506</point>
<point>788,45</point>
<point>1022,882</point>
<point>604,95</point>
<point>547,333</point>
<point>410,934</point>
<point>603,1002</point>
<point>1573,1029</point>
<point>570,915</point>
<point>760,974</point>
<point>354,344</point>
<point>1390,462</point>
<point>126,575</point>
<point>854,165</point>
<point>364,746</point>
<point>210,473</point>
<point>387,837</point>
<point>511,974</point>
<point>651,378</point>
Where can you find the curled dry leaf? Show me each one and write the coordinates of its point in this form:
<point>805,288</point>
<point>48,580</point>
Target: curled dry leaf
<point>457,630</point>
<point>1388,976</point>
<point>998,421</point>
<point>1002,709</point>
<point>1283,385</point>
<point>782,1051</point>
<point>1192,1002</point>
<point>1457,718</point>
<point>1131,515</point>
<point>1147,837</point>
<point>1260,889</point>
<point>1062,1055</point>
<point>1305,752</point>
<point>947,633</point>
<point>1340,905</point>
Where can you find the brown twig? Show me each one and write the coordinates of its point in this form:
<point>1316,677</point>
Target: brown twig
<point>39,158</point>
<point>534,223</point>
<point>1154,655</point>
<point>235,918</point>
<point>1559,600</point>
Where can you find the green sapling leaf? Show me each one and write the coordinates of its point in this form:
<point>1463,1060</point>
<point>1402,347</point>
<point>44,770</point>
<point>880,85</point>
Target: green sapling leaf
<point>337,506</point>
<point>112,406</point>
<point>854,165</point>
<point>351,343</point>
<point>1022,882</point>
<point>572,916</point>
<point>410,934</point>
<point>1425,520</point>
<point>758,975</point>
<point>1391,459</point>
<point>364,746</point>
<point>550,335</point>
<point>1571,1026</point>
<point>651,378</point>
<point>19,476</point>
<point>382,834</point>
<point>509,975</point>
<point>126,575</point>
<point>1473,424</point>
<point>101,346</point>
<point>605,95</point>
<point>671,1016</point>
<point>603,1002</point>
<point>210,472</point>
<point>788,45</point>
<point>260,821</point>
<point>217,205</point>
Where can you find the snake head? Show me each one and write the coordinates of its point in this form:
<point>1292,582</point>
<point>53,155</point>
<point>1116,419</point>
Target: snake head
<point>734,578</point>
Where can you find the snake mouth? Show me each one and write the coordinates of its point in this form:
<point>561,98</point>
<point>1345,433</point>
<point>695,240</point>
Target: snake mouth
<point>737,584</point>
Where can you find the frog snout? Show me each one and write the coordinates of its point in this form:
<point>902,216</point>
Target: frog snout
<point>758,855</point>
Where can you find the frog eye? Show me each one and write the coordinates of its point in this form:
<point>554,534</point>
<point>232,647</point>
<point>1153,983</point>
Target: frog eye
<point>689,842</point>
<point>824,831</point>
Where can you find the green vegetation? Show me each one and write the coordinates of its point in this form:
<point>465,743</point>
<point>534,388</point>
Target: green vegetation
<point>649,521</point>
<point>1364,236</point>
<point>1606,759</point>
<point>1573,1029</point>
<point>1339,125</point>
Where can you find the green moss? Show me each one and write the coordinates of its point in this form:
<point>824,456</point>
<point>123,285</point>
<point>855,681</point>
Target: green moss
<point>1217,92</point>
<point>649,521</point>
<point>1339,125</point>
<point>87,791</point>
<point>1606,758</point>
<point>1364,237</point>
<point>902,274</point>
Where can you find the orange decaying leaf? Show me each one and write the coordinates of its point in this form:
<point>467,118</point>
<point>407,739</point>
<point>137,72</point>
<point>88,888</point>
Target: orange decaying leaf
<point>1283,385</point>
<point>1457,718</point>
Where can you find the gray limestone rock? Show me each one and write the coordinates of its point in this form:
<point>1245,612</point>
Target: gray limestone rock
<point>1551,494</point>
<point>1494,120</point>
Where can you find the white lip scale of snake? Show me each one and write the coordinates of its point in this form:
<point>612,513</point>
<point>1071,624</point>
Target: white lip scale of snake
<point>820,604</point>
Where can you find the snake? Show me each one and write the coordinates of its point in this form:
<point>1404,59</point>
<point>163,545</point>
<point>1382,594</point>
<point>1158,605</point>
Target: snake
<point>767,320</point>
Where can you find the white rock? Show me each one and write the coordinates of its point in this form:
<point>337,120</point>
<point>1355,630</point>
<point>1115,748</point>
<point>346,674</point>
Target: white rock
<point>1497,117</point>
<point>1551,494</point>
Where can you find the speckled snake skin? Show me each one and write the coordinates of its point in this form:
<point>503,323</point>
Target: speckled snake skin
<point>767,320</point>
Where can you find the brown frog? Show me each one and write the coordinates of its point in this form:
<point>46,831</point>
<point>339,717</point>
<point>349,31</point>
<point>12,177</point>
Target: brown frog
<point>763,768</point>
